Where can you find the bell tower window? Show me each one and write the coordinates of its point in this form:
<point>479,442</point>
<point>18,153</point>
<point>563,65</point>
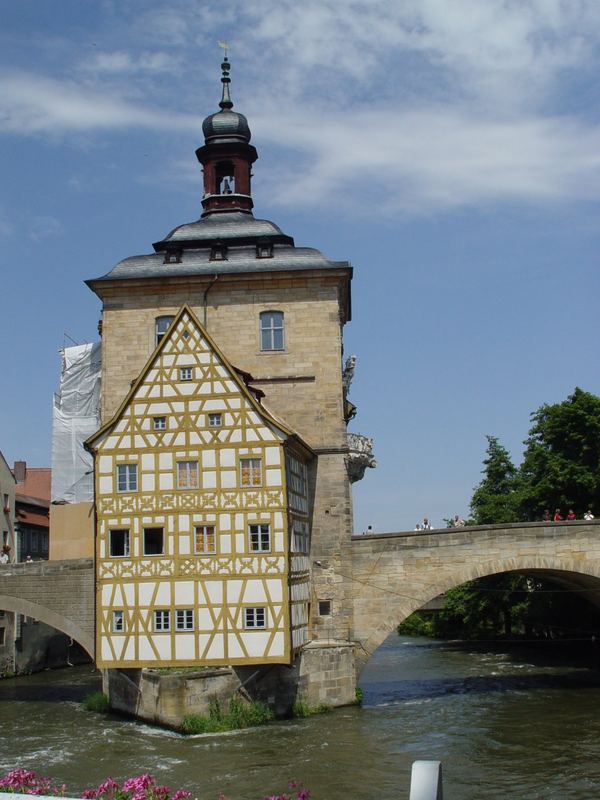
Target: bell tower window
<point>225,178</point>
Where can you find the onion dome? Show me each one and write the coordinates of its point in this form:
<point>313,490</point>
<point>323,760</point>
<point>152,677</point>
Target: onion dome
<point>226,125</point>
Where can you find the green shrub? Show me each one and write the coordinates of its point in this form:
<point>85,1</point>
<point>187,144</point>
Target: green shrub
<point>416,625</point>
<point>97,702</point>
<point>302,709</point>
<point>359,696</point>
<point>240,714</point>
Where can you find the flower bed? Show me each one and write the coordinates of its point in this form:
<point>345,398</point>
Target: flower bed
<point>144,787</point>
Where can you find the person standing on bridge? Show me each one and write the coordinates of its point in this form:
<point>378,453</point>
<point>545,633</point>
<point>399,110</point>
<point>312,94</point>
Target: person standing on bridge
<point>588,515</point>
<point>571,515</point>
<point>546,516</point>
<point>557,515</point>
<point>425,525</point>
<point>458,522</point>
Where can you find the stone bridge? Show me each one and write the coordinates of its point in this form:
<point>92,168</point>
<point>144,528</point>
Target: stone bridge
<point>59,593</point>
<point>395,574</point>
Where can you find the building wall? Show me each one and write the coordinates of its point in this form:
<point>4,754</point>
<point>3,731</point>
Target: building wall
<point>72,531</point>
<point>302,385</point>
<point>218,586</point>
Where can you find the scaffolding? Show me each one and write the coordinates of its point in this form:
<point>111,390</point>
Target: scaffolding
<point>76,415</point>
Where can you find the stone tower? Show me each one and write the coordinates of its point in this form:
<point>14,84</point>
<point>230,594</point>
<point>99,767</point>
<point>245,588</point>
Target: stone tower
<point>276,312</point>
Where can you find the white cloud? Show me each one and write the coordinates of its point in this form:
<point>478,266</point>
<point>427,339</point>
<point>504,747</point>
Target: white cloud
<point>30,104</point>
<point>123,62</point>
<point>44,227</point>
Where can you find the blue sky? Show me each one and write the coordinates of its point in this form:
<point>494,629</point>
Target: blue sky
<point>450,149</point>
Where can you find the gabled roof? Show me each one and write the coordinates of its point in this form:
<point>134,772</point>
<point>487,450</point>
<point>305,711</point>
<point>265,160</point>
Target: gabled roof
<point>270,418</point>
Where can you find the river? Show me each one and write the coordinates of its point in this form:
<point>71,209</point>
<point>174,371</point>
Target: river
<point>507,723</point>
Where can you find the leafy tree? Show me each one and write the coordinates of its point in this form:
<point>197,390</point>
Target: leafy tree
<point>486,608</point>
<point>496,498</point>
<point>561,465</point>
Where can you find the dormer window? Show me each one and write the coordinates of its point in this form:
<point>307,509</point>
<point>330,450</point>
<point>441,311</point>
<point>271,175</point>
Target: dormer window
<point>218,252</point>
<point>172,257</point>
<point>264,250</point>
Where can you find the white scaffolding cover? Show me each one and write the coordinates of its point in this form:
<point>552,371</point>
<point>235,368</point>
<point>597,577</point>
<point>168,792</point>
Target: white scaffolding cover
<point>76,416</point>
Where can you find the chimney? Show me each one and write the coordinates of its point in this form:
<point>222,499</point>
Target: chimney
<point>20,471</point>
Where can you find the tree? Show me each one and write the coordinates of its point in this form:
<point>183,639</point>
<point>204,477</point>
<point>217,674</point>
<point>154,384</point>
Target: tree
<point>561,464</point>
<point>496,497</point>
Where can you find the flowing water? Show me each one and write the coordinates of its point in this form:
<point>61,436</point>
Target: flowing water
<point>507,723</point>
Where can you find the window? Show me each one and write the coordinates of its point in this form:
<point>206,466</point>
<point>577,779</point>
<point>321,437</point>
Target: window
<point>2,635</point>
<point>127,477</point>
<point>185,374</point>
<point>119,542</point>
<point>160,423</point>
<point>184,619</point>
<point>162,620</point>
<point>205,539</point>
<point>172,257</point>
<point>271,330</point>
<point>218,253</point>
<point>6,504</point>
<point>214,420</point>
<point>118,624</point>
<point>260,538</point>
<point>300,537</point>
<point>161,326</point>
<point>264,250</point>
<point>251,471</point>
<point>153,541</point>
<point>187,474</point>
<point>324,608</point>
<point>255,617</point>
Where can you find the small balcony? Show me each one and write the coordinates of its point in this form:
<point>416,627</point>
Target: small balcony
<point>360,456</point>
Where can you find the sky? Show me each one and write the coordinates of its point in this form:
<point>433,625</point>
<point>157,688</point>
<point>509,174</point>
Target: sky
<point>449,149</point>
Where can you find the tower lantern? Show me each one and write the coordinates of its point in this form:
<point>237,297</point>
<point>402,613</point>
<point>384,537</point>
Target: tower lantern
<point>226,156</point>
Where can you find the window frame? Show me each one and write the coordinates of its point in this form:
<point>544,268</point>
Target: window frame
<point>160,334</point>
<point>251,470</point>
<point>146,530</point>
<point>184,623</point>
<point>126,543</point>
<point>118,621</point>
<point>211,419</point>
<point>205,533</point>
<point>161,620</point>
<point>130,469</point>
<point>159,423</point>
<point>188,474</point>
<point>270,330</point>
<point>183,374</point>
<point>256,537</point>
<point>252,615</point>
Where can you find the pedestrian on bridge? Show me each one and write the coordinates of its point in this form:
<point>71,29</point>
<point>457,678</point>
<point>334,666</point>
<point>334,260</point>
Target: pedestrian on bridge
<point>588,515</point>
<point>557,515</point>
<point>571,515</point>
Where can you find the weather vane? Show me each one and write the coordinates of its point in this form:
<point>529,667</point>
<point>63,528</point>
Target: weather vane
<point>224,46</point>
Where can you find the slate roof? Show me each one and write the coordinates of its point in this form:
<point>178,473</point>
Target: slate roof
<point>240,232</point>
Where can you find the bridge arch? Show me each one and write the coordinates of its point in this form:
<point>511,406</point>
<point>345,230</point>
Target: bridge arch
<point>49,617</point>
<point>58,593</point>
<point>396,576</point>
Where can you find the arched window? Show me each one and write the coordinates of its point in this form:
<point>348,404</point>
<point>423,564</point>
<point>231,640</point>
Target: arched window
<point>161,326</point>
<point>271,330</point>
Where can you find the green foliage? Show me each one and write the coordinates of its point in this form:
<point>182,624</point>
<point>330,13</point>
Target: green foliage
<point>416,625</point>
<point>97,702</point>
<point>496,498</point>
<point>359,696</point>
<point>302,709</point>
<point>240,714</point>
<point>490,607</point>
<point>561,465</point>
